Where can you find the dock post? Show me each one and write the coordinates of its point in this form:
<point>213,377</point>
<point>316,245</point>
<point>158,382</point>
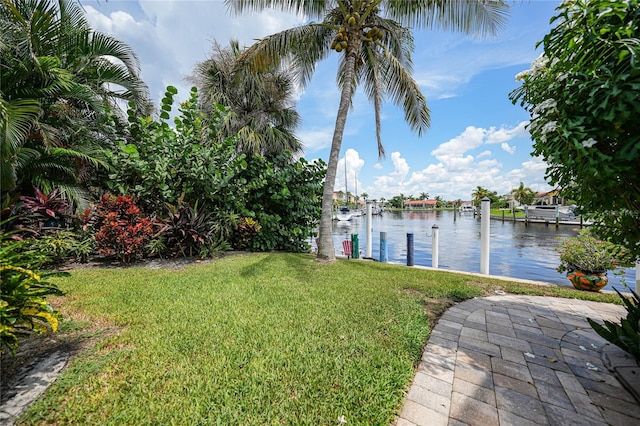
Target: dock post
<point>369,249</point>
<point>637,276</point>
<point>435,235</point>
<point>502,216</point>
<point>484,235</point>
<point>410,250</point>
<point>355,247</point>
<point>383,247</point>
<point>557,216</point>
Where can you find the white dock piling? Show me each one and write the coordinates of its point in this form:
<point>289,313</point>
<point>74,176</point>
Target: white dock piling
<point>484,235</point>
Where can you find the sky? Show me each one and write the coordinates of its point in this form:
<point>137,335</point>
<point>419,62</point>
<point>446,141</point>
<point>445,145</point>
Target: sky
<point>477,136</point>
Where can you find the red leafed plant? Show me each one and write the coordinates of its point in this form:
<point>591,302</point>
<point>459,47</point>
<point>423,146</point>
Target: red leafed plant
<point>122,231</point>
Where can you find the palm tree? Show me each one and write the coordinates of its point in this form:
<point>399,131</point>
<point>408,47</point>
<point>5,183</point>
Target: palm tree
<point>375,43</point>
<point>263,122</point>
<point>480,192</point>
<point>523,194</point>
<point>423,196</point>
<point>60,82</point>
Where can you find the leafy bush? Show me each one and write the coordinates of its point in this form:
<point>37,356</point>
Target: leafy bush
<point>625,335</point>
<point>65,245</point>
<point>23,306</point>
<point>122,231</point>
<point>285,197</point>
<point>161,164</point>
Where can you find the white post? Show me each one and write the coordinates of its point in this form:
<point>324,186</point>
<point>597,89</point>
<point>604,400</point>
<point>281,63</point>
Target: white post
<point>637,276</point>
<point>369,253</point>
<point>435,231</point>
<point>484,235</point>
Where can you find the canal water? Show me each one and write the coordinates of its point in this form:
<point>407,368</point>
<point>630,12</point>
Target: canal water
<point>516,250</point>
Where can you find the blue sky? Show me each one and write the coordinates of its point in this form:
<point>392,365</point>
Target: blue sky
<point>477,137</point>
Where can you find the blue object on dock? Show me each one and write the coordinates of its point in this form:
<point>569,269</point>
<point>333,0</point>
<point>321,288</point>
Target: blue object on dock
<point>410,250</point>
<point>383,247</point>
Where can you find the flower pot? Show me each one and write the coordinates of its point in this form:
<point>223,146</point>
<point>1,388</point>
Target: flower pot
<point>589,281</point>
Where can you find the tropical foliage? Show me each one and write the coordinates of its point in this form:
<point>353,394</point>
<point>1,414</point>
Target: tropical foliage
<point>189,166</point>
<point>261,123</point>
<point>374,42</point>
<point>582,94</point>
<point>23,305</point>
<point>626,334</point>
<point>59,84</point>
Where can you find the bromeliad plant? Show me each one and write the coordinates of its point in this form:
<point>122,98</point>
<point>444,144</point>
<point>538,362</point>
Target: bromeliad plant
<point>587,253</point>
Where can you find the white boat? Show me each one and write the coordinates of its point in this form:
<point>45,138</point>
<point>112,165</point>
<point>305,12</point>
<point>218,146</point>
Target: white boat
<point>344,214</point>
<point>467,208</point>
<point>550,212</point>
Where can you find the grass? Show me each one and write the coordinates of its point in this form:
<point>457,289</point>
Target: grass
<point>252,339</point>
<point>507,213</point>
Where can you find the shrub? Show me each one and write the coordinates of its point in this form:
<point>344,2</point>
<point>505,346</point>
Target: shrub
<point>246,230</point>
<point>187,230</point>
<point>625,335</point>
<point>43,211</point>
<point>122,231</point>
<point>23,305</point>
<point>65,245</point>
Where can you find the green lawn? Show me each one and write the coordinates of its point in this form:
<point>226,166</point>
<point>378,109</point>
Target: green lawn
<point>250,339</point>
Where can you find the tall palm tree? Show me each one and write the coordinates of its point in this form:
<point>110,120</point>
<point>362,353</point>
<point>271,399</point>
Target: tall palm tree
<point>59,80</point>
<point>374,41</point>
<point>263,122</point>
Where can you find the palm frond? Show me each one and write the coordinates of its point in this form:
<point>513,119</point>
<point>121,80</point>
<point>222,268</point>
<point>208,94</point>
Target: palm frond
<point>311,8</point>
<point>475,17</point>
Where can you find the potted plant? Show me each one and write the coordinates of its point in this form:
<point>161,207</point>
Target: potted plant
<point>587,259</point>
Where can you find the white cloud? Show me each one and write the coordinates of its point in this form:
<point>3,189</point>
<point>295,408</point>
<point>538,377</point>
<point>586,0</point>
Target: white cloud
<point>457,170</point>
<point>507,148</point>
<point>378,166</point>
<point>353,167</point>
<point>504,134</point>
<point>315,140</point>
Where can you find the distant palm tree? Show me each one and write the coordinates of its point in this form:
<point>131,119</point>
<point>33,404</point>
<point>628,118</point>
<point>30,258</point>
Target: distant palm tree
<point>523,195</point>
<point>423,196</point>
<point>374,41</point>
<point>263,121</point>
<point>479,193</point>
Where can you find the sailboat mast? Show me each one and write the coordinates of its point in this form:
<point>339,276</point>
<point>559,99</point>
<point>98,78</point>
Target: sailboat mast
<point>346,187</point>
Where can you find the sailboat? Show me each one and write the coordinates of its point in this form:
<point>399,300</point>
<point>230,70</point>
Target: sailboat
<point>344,213</point>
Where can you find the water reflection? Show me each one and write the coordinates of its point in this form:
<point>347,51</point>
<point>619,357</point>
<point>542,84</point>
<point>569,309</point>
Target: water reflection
<point>517,250</point>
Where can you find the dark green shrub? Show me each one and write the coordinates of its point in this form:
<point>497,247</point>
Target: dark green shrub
<point>625,335</point>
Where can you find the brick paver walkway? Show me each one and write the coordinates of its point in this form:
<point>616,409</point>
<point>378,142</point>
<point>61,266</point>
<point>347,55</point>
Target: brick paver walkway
<point>518,360</point>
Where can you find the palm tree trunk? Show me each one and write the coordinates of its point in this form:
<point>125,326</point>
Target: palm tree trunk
<point>326,250</point>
